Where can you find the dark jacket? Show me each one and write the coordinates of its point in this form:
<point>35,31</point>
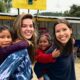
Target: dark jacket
<point>62,69</point>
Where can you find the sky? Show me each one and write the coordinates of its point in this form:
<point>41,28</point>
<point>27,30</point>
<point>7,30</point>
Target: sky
<point>60,5</point>
<point>52,6</point>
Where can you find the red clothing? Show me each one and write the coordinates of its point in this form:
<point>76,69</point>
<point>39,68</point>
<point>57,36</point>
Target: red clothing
<point>42,57</point>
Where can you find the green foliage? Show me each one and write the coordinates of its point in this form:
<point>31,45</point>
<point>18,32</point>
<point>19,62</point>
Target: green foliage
<point>5,5</point>
<point>73,12</point>
<point>66,13</point>
<point>2,8</point>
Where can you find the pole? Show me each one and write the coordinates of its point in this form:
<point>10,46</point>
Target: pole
<point>28,11</point>
<point>37,14</point>
<point>18,11</point>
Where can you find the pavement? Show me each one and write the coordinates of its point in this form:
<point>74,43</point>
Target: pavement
<point>77,68</point>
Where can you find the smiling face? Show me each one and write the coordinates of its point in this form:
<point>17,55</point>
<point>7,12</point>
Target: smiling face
<point>5,38</point>
<point>43,43</point>
<point>63,33</point>
<point>27,28</point>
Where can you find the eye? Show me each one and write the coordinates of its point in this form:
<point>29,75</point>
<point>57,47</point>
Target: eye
<point>2,36</point>
<point>23,26</point>
<point>31,26</point>
<point>40,41</point>
<point>8,37</point>
<point>57,31</point>
<point>64,29</point>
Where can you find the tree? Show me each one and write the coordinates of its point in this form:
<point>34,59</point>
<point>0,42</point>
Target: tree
<point>73,12</point>
<point>66,13</point>
<point>2,8</point>
<point>6,4</point>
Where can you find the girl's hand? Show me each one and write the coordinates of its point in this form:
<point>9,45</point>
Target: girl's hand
<point>55,53</point>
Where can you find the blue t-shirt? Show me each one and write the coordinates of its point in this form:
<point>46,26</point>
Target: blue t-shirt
<point>17,66</point>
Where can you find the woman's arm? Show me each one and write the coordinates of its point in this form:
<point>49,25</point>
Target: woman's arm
<point>4,52</point>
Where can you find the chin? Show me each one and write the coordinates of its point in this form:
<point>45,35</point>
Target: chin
<point>28,37</point>
<point>64,42</point>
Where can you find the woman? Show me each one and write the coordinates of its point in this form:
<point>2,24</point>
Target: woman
<point>63,68</point>
<point>19,63</point>
<point>24,29</point>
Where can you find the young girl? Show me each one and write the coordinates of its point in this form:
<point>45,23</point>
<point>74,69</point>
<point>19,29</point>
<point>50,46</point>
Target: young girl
<point>44,52</point>
<point>63,68</point>
<point>19,63</point>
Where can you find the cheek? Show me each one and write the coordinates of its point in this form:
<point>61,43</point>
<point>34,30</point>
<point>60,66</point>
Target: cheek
<point>22,30</point>
<point>56,35</point>
<point>10,40</point>
<point>71,32</point>
<point>33,29</point>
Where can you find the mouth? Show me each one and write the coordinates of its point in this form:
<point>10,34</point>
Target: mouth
<point>28,33</point>
<point>63,38</point>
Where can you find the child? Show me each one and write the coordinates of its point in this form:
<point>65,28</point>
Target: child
<point>44,51</point>
<point>6,45</point>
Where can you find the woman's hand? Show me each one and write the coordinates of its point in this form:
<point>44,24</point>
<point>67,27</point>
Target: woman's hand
<point>55,53</point>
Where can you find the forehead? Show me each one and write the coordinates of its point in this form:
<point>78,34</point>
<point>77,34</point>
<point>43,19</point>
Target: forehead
<point>27,21</point>
<point>5,32</point>
<point>61,25</point>
<point>43,37</point>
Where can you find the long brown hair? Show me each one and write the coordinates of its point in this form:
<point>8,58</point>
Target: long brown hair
<point>68,48</point>
<point>17,29</point>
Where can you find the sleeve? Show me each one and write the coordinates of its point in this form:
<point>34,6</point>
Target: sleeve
<point>4,52</point>
<point>42,57</point>
<point>77,43</point>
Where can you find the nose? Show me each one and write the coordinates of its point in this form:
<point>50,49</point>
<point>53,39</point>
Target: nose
<point>61,33</point>
<point>7,40</point>
<point>28,27</point>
